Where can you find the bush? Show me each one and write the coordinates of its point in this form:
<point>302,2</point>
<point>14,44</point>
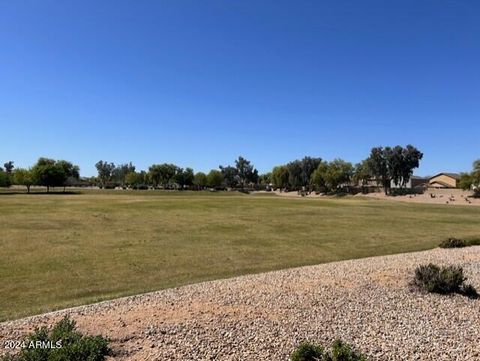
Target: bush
<point>340,352</point>
<point>308,352</point>
<point>68,345</point>
<point>443,280</point>
<point>453,243</point>
<point>343,352</point>
<point>474,242</point>
<point>459,243</point>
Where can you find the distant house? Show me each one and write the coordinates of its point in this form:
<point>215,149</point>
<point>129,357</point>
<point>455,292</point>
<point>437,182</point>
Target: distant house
<point>444,180</point>
<point>415,182</point>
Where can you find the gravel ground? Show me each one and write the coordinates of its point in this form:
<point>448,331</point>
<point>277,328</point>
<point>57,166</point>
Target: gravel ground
<point>366,302</point>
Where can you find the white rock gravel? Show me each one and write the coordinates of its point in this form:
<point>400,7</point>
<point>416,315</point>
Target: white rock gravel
<point>365,302</point>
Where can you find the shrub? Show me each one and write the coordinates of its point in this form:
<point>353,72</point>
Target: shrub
<point>453,243</point>
<point>340,352</point>
<point>343,352</point>
<point>474,242</point>
<point>308,352</point>
<point>74,345</point>
<point>458,243</point>
<point>432,278</point>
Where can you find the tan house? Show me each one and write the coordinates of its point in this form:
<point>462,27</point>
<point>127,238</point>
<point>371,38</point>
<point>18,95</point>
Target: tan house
<point>444,180</point>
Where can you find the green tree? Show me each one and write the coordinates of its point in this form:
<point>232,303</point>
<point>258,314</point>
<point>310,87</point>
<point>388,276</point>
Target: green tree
<point>24,177</point>
<point>49,173</point>
<point>104,170</point>
<point>184,177</point>
<point>162,174</point>
<point>72,172</point>
<point>318,177</point>
<point>280,177</point>
<point>200,180</point>
<point>362,173</point>
<point>119,173</point>
<point>214,179</point>
<point>136,180</point>
<point>9,167</point>
<point>295,179</point>
<point>308,166</point>
<point>411,158</point>
<point>377,163</point>
<point>246,172</point>
<point>5,180</point>
<point>339,173</point>
<point>466,181</point>
<point>394,164</point>
<point>230,176</point>
<point>472,180</point>
<point>265,179</point>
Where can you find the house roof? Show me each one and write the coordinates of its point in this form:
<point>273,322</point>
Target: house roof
<point>451,175</point>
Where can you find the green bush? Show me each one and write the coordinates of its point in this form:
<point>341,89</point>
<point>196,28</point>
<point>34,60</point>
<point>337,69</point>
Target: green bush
<point>459,243</point>
<point>473,242</point>
<point>444,280</point>
<point>453,243</point>
<point>343,352</point>
<point>308,352</point>
<point>312,352</point>
<point>68,345</point>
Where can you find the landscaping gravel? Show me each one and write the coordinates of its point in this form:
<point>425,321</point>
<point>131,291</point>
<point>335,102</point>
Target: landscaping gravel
<point>366,302</point>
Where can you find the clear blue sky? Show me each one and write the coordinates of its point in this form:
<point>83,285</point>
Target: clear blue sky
<point>198,83</point>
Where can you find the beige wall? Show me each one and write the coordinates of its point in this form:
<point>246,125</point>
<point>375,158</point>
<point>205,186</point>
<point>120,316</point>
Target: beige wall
<point>452,182</point>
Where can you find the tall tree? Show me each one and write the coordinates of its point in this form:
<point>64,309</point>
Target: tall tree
<point>472,180</point>
<point>280,177</point>
<point>230,176</point>
<point>136,180</point>
<point>339,173</point>
<point>5,180</point>
<point>318,179</point>
<point>24,177</point>
<point>411,158</point>
<point>72,172</point>
<point>162,174</point>
<point>184,177</point>
<point>377,163</point>
<point>246,172</point>
<point>104,170</point>
<point>215,179</point>
<point>295,179</point>
<point>9,167</point>
<point>119,173</point>
<point>394,164</point>
<point>49,173</point>
<point>362,173</point>
<point>200,180</point>
<point>308,166</point>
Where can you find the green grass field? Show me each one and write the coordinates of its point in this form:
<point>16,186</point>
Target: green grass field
<point>63,250</point>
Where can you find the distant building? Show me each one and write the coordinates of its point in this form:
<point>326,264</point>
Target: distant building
<point>444,180</point>
<point>415,182</point>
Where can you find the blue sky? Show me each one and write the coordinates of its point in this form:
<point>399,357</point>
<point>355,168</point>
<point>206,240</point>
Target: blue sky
<point>198,83</point>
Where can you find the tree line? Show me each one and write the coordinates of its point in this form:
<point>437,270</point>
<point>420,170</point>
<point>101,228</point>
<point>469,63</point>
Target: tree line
<point>383,166</point>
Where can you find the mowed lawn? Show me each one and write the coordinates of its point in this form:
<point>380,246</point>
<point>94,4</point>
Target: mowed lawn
<point>63,250</point>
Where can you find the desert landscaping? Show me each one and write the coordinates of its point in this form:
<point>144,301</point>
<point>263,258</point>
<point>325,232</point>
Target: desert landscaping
<point>367,302</point>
